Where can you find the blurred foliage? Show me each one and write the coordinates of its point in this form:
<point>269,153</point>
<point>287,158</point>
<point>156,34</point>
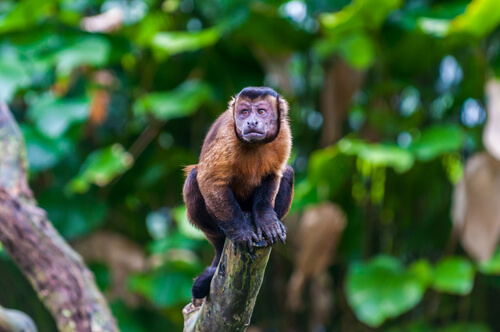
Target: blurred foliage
<point>114,97</point>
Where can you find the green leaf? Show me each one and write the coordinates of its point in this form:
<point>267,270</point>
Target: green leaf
<point>53,116</point>
<point>13,75</point>
<point>26,14</point>
<point>101,167</point>
<point>43,152</point>
<point>180,102</point>
<point>171,284</point>
<point>185,227</point>
<point>349,30</point>
<point>492,265</point>
<point>436,141</point>
<point>174,42</point>
<point>382,289</point>
<point>454,275</point>
<point>378,154</point>
<point>88,50</point>
<point>480,18</point>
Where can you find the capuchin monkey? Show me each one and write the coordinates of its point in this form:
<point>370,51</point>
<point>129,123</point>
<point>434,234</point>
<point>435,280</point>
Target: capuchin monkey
<point>242,168</point>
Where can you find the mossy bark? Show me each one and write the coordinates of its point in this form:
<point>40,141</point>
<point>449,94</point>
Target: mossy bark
<point>57,273</point>
<point>233,292</point>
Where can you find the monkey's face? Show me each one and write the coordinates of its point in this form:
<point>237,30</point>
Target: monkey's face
<point>256,120</point>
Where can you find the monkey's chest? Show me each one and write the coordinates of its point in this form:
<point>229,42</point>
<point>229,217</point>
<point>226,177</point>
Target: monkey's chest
<point>243,187</point>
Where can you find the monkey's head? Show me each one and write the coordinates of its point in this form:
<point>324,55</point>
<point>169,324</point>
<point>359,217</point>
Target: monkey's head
<point>257,114</point>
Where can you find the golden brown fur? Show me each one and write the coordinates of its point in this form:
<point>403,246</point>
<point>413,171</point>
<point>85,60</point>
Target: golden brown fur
<point>224,160</point>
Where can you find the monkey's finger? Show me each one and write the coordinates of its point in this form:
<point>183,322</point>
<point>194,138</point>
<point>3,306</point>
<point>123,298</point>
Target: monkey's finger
<point>255,238</point>
<point>259,234</point>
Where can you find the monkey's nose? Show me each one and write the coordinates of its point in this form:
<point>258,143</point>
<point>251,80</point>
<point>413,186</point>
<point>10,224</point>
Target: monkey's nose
<point>252,124</point>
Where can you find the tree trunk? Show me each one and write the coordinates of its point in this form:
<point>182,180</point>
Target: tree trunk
<point>58,275</point>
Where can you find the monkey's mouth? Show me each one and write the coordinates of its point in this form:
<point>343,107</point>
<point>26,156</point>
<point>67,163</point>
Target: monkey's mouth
<point>253,135</point>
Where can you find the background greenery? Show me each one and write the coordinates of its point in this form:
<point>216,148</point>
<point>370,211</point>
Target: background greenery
<point>114,97</point>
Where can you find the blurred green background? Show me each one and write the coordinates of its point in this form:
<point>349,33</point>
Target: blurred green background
<point>389,102</point>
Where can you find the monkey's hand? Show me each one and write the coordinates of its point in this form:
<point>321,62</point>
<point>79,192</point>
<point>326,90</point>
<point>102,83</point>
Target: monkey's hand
<point>241,234</point>
<point>268,224</point>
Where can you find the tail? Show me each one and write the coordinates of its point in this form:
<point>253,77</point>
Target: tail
<point>201,286</point>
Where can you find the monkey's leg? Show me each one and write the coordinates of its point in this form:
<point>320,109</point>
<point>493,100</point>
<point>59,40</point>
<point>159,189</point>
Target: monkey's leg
<point>285,194</point>
<point>195,205</point>
<point>266,216</point>
<point>225,209</point>
<point>199,216</point>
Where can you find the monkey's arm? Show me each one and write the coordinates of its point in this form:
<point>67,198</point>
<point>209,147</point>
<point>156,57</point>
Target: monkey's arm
<point>223,206</point>
<point>266,220</point>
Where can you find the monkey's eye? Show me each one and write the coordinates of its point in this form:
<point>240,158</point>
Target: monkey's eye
<point>261,111</point>
<point>244,112</point>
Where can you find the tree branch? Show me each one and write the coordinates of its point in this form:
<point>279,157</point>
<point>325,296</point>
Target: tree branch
<point>56,272</point>
<point>233,292</point>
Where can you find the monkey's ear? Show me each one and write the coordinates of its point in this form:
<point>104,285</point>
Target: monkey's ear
<point>231,103</point>
<point>283,105</point>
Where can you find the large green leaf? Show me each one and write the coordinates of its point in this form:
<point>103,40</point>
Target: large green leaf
<point>185,227</point>
<point>454,275</point>
<point>492,265</point>
<point>44,152</point>
<point>87,50</point>
<point>180,102</point>
<point>480,18</point>
<point>13,75</point>
<point>171,284</point>
<point>348,31</point>
<point>382,289</point>
<point>100,167</point>
<point>173,42</point>
<point>435,141</point>
<point>53,116</point>
<point>378,154</point>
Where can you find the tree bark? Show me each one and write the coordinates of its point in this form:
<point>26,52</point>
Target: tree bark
<point>57,273</point>
<point>233,292</point>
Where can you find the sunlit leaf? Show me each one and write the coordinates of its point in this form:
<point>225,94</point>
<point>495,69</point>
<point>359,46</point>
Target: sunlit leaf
<point>382,289</point>
<point>378,154</point>
<point>479,19</point>
<point>454,275</point>
<point>492,265</point>
<point>436,141</point>
<point>25,14</point>
<point>348,30</point>
<point>53,116</point>
<point>101,167</point>
<point>90,50</point>
<point>180,102</point>
<point>173,42</point>
<point>185,227</point>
